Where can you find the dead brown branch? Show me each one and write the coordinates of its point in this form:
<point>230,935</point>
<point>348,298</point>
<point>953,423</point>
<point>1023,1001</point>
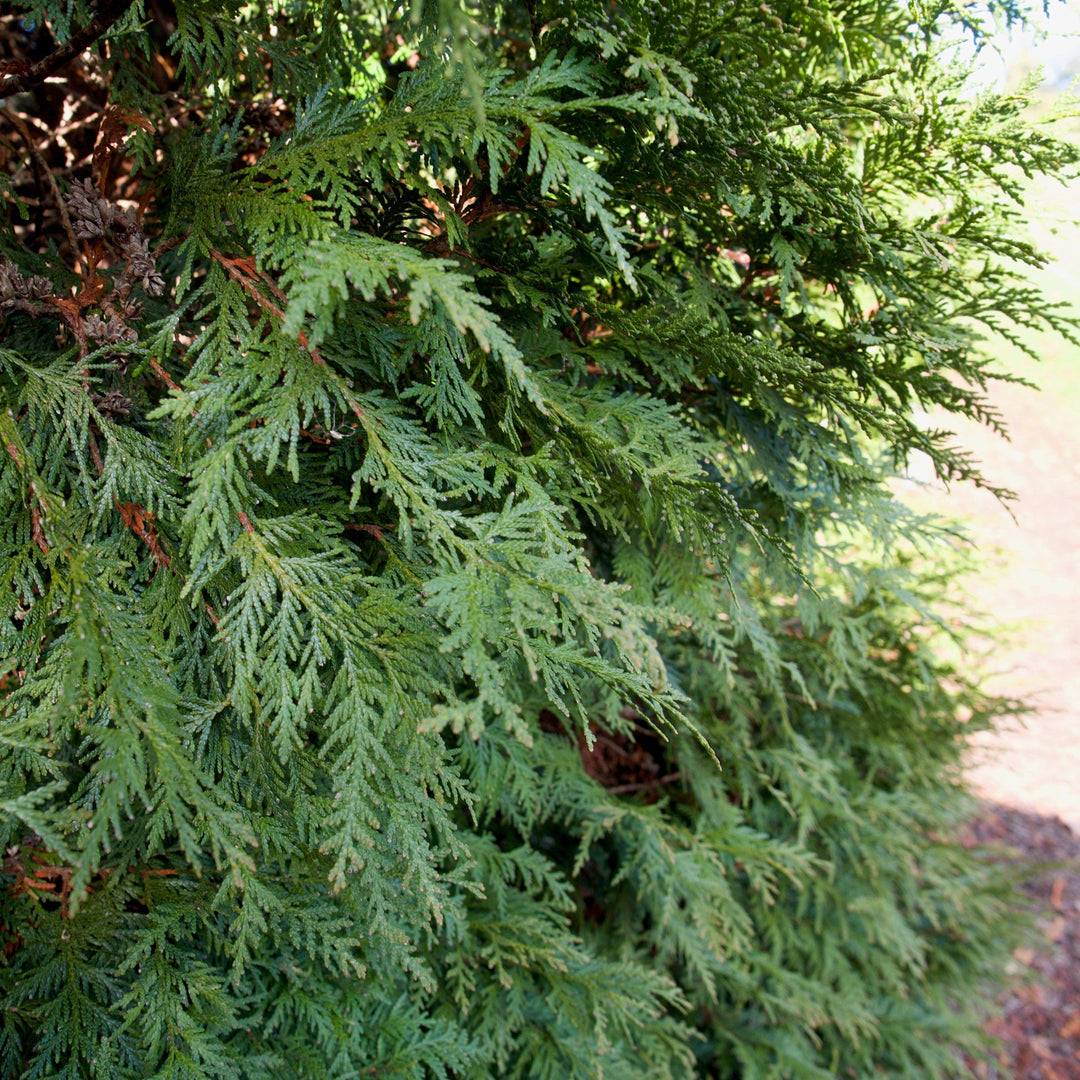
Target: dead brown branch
<point>35,74</point>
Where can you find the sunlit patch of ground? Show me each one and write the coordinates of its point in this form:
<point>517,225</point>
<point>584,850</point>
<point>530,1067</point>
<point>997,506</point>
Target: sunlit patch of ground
<point>1029,590</point>
<point>1029,582</point>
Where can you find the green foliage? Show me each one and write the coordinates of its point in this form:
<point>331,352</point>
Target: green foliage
<point>457,621</point>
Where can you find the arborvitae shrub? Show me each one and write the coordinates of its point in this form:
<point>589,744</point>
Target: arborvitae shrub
<point>456,620</point>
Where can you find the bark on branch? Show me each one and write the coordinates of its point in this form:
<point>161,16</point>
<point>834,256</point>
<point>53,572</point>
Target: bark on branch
<point>108,11</point>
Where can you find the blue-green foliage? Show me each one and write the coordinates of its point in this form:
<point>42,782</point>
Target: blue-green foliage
<point>481,641</point>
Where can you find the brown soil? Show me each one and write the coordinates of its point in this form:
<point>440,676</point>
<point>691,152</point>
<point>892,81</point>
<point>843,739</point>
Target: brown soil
<point>1038,1021</point>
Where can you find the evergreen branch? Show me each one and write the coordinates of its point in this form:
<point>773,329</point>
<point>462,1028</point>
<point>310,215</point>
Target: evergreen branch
<point>468,443</point>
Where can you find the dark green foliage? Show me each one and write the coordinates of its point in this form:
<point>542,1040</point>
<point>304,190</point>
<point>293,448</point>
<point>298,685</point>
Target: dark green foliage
<point>457,623</point>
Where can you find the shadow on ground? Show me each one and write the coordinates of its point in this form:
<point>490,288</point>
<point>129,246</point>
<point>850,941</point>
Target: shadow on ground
<point>1038,1018</point>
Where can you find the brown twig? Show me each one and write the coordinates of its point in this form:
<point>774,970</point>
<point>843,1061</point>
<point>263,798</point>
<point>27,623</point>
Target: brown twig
<point>162,374</point>
<point>142,523</point>
<point>95,454</point>
<point>647,785</point>
<point>166,245</point>
<point>243,270</point>
<point>107,13</point>
<point>39,160</point>
<point>373,530</point>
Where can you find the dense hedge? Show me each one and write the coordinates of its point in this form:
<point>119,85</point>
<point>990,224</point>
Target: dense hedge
<point>457,622</point>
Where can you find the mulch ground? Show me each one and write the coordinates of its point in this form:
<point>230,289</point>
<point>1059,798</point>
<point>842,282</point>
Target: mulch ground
<point>1038,1018</point>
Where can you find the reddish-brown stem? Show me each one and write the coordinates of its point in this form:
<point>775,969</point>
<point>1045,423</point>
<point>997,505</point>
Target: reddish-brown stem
<point>243,271</point>
<point>627,789</point>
